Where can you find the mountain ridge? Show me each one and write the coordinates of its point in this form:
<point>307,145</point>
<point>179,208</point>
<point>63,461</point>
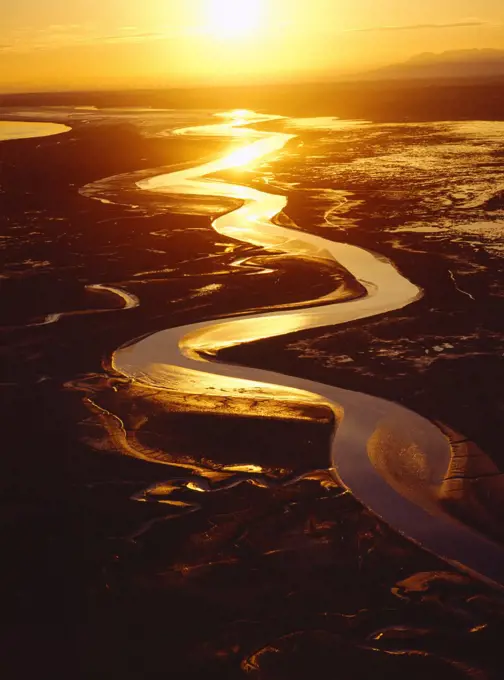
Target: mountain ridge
<point>470,63</point>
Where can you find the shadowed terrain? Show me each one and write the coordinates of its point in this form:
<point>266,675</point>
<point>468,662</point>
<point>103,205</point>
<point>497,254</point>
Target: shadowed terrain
<point>266,579</point>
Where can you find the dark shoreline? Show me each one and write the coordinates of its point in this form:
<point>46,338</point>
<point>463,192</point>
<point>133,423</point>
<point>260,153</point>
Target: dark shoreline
<point>381,101</point>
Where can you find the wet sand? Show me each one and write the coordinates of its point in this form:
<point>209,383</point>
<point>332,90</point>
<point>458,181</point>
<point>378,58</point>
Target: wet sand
<point>392,460</point>
<point>299,567</point>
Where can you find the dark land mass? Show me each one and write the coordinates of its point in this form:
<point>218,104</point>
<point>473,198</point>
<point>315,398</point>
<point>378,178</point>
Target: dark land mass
<point>382,101</point>
<point>276,579</point>
<point>452,64</point>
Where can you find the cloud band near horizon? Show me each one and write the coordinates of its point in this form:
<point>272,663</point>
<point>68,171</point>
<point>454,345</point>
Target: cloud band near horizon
<point>420,27</point>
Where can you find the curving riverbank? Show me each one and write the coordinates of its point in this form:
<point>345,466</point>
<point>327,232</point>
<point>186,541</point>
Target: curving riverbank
<point>393,460</point>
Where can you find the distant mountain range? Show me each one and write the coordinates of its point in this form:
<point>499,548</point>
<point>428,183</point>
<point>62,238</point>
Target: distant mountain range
<point>453,64</point>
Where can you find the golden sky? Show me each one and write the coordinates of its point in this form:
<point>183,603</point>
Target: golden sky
<point>48,44</point>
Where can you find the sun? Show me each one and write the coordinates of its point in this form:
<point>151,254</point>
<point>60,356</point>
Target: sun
<point>233,18</point>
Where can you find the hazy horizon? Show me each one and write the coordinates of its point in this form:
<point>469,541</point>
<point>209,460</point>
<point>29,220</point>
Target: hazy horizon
<point>218,42</point>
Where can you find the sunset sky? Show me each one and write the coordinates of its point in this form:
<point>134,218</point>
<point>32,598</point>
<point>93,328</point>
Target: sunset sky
<point>97,43</point>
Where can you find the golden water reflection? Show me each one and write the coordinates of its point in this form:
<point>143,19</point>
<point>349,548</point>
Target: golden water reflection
<point>14,129</point>
<point>170,359</point>
<point>217,337</point>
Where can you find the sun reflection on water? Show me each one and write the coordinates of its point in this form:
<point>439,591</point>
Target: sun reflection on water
<point>250,153</point>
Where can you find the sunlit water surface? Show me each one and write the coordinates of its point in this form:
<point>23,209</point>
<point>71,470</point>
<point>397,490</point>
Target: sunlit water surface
<point>14,129</point>
<point>392,459</point>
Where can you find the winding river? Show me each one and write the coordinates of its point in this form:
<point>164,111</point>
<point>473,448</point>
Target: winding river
<point>393,460</point>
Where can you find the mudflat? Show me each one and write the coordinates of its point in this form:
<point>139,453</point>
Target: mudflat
<point>276,556</point>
